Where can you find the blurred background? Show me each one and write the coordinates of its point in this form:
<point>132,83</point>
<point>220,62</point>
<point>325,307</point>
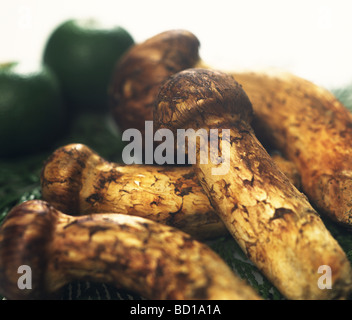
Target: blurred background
<point>308,38</point>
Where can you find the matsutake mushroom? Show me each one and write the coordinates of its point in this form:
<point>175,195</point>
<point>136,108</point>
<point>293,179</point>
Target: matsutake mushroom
<point>137,254</point>
<point>305,122</point>
<point>76,180</point>
<point>271,220</point>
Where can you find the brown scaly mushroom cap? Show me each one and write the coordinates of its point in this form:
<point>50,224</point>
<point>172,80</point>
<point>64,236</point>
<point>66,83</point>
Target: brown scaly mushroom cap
<point>138,75</point>
<point>25,243</point>
<point>65,165</point>
<point>194,97</point>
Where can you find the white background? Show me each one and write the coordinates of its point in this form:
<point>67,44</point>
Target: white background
<point>309,38</point>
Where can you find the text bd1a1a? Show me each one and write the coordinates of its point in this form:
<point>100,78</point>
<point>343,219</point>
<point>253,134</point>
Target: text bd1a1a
<point>161,309</point>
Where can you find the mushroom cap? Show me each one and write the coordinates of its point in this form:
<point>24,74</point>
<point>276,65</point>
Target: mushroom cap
<point>197,97</point>
<point>139,74</point>
<point>25,237</point>
<point>61,176</point>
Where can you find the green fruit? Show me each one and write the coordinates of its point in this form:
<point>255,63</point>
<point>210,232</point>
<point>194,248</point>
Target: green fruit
<point>31,110</point>
<point>83,55</point>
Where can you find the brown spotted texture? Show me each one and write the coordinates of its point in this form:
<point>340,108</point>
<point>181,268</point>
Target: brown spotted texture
<point>169,195</point>
<point>193,95</point>
<point>312,129</point>
<point>139,73</point>
<point>288,168</point>
<point>76,180</point>
<point>138,76</point>
<point>271,220</point>
<point>151,259</point>
<point>305,122</point>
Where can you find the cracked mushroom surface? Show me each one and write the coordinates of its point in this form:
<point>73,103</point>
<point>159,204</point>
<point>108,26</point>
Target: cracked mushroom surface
<point>137,254</point>
<point>313,130</point>
<point>138,76</point>
<point>76,180</point>
<point>305,122</point>
<point>271,220</point>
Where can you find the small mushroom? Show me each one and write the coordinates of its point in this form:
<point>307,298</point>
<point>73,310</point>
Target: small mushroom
<point>271,220</point>
<point>137,254</point>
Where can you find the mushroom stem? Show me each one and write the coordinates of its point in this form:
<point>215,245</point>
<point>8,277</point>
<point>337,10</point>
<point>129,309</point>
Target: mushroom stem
<point>305,122</point>
<point>153,260</point>
<point>312,129</point>
<point>76,180</point>
<point>270,219</point>
<point>139,74</point>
